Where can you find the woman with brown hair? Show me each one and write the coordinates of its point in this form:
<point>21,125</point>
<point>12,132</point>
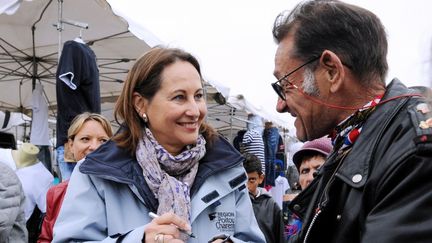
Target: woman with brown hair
<point>166,176</point>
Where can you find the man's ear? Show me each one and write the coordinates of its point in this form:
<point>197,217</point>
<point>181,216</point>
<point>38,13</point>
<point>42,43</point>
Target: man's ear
<point>139,103</point>
<point>334,70</point>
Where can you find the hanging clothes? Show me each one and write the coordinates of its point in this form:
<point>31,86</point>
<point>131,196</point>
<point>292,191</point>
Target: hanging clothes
<point>39,134</point>
<point>39,127</point>
<point>77,86</point>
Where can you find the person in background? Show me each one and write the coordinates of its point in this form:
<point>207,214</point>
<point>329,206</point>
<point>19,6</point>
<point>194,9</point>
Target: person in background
<point>252,142</point>
<point>267,212</point>
<point>12,219</point>
<point>273,148</point>
<point>308,159</point>
<point>330,66</point>
<point>165,172</point>
<point>86,133</point>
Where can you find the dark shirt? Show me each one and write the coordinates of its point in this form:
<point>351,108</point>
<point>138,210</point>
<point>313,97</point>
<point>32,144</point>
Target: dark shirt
<point>269,217</point>
<point>77,86</point>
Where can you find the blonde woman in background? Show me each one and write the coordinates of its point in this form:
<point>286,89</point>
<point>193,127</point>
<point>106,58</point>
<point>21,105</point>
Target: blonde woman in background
<point>85,134</point>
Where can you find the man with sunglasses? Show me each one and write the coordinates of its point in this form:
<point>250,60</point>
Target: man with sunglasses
<point>375,186</point>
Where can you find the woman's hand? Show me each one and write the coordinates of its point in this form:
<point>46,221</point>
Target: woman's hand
<point>221,241</point>
<point>165,229</point>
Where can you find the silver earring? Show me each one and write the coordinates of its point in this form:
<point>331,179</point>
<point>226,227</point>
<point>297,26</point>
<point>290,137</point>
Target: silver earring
<point>144,116</point>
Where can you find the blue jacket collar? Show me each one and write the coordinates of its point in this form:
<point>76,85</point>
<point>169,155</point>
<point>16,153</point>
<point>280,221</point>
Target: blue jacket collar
<point>114,163</point>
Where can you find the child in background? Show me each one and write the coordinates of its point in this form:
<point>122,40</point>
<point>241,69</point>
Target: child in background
<point>307,160</point>
<point>267,212</point>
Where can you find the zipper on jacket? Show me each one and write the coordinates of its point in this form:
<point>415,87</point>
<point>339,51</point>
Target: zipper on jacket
<point>317,213</point>
<point>321,205</point>
<point>322,202</point>
<point>324,197</point>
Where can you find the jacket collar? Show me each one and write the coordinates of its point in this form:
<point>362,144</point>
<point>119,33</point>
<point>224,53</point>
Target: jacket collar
<point>114,163</point>
<point>354,170</point>
<point>262,193</point>
<point>220,156</point>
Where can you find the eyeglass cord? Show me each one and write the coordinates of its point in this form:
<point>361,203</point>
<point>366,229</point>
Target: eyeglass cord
<point>313,99</point>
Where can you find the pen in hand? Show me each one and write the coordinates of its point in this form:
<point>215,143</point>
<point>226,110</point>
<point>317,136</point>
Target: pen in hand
<point>190,234</point>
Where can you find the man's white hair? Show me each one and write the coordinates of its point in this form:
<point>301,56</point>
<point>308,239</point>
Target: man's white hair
<point>309,83</point>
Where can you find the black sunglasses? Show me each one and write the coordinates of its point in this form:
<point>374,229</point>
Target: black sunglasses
<point>279,89</point>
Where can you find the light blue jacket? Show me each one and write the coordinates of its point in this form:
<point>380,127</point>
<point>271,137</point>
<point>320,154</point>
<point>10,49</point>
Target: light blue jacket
<point>108,199</point>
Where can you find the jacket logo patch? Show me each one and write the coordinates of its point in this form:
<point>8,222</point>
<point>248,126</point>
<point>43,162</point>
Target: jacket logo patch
<point>426,124</point>
<point>238,180</point>
<point>423,108</point>
<point>212,216</point>
<point>224,221</point>
<point>212,195</point>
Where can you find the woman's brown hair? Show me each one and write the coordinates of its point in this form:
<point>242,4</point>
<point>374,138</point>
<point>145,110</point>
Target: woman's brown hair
<point>145,78</point>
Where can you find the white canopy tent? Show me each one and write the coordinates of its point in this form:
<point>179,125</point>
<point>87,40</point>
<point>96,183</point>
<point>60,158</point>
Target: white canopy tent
<point>232,39</point>
<point>32,34</point>
<point>234,43</point>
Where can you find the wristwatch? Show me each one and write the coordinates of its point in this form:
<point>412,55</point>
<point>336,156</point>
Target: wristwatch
<point>225,238</point>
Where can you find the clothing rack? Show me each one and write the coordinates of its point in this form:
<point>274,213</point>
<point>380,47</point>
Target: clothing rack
<point>60,27</point>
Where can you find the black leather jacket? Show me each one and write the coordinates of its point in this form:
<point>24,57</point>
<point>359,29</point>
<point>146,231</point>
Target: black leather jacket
<point>382,191</point>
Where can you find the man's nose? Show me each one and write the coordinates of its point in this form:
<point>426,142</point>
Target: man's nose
<point>281,105</point>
